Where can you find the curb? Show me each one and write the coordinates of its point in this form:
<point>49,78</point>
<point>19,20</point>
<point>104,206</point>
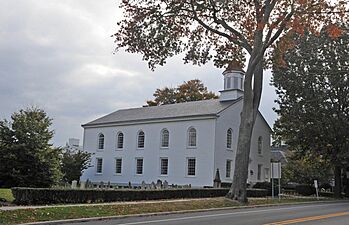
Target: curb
<point>90,219</point>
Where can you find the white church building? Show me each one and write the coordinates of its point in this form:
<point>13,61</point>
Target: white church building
<point>183,143</point>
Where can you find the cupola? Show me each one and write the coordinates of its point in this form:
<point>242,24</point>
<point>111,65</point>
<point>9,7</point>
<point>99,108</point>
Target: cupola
<point>233,82</point>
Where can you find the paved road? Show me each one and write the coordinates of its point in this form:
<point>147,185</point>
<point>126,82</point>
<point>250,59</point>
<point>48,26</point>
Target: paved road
<point>335,213</point>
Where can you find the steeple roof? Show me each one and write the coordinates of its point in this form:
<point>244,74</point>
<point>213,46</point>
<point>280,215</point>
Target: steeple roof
<point>234,66</point>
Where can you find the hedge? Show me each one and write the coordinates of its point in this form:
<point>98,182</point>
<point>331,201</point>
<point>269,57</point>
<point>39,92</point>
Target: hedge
<point>267,186</point>
<point>37,196</point>
<point>305,189</point>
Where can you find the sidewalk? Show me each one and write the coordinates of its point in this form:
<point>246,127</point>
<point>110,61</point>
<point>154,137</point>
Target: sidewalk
<point>8,208</point>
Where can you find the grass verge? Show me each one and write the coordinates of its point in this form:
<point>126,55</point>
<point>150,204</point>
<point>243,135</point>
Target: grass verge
<point>6,194</point>
<point>74,212</point>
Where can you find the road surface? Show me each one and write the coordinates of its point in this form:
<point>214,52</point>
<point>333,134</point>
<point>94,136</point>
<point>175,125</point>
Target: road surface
<point>332,213</point>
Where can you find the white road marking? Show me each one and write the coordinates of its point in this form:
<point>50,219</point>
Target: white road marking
<point>227,214</point>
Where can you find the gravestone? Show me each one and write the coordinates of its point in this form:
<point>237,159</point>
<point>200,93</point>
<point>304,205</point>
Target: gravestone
<point>165,184</point>
<point>82,184</point>
<point>74,184</point>
<point>158,184</point>
<point>143,185</point>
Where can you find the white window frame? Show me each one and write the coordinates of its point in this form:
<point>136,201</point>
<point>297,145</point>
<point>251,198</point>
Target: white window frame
<point>228,170</point>
<point>162,138</point>
<point>229,140</point>
<point>138,140</point>
<point>116,166</point>
<point>161,166</point>
<point>118,143</point>
<point>187,167</point>
<point>136,172</point>
<point>100,138</point>
<point>97,167</point>
<point>189,138</point>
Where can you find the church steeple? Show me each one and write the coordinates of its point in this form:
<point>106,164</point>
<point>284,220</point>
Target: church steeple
<point>233,82</point>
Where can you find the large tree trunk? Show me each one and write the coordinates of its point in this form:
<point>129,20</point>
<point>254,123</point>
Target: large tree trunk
<point>238,189</point>
<point>337,181</point>
<point>249,112</point>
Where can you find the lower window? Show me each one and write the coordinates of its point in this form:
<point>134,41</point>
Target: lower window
<point>228,169</point>
<point>118,165</point>
<point>164,166</point>
<point>139,166</point>
<point>99,165</point>
<point>191,164</point>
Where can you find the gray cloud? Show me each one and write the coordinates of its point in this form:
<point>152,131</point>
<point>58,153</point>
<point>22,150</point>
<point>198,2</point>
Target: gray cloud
<point>57,55</point>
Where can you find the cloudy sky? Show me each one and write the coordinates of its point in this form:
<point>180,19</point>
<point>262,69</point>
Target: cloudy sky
<point>58,55</point>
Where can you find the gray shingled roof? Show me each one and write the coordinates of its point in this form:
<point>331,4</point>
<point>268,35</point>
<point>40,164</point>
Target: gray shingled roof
<point>187,109</point>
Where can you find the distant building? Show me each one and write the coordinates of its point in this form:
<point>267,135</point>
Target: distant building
<point>183,143</point>
<point>73,145</point>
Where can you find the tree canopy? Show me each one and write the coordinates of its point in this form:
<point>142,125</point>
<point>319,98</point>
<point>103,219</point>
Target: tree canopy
<point>313,93</point>
<point>224,31</point>
<point>27,158</point>
<point>73,164</point>
<point>192,90</point>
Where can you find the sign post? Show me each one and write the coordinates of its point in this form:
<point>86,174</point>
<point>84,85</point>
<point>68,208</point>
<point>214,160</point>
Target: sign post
<point>275,174</point>
<point>317,189</point>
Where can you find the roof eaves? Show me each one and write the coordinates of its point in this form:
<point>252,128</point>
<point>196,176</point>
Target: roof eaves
<point>203,116</point>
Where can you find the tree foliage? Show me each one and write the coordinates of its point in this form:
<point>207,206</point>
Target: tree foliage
<point>73,164</point>
<point>306,169</point>
<point>26,156</point>
<point>224,31</point>
<point>313,93</point>
<point>192,90</point>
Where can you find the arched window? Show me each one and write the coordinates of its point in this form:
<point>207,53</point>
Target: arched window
<point>120,140</point>
<point>140,139</point>
<point>165,138</point>
<point>229,138</point>
<point>192,137</point>
<point>101,141</point>
<point>260,145</point>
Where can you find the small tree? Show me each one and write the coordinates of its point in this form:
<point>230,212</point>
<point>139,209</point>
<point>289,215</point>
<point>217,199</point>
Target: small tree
<point>26,156</point>
<point>192,90</point>
<point>73,164</point>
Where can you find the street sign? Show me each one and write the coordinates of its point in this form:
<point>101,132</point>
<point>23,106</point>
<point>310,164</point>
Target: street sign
<point>276,170</point>
<point>315,184</point>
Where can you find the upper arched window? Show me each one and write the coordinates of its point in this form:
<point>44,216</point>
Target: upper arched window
<point>260,145</point>
<point>229,138</point>
<point>165,138</point>
<point>192,137</point>
<point>120,140</point>
<point>140,139</point>
<point>101,141</point>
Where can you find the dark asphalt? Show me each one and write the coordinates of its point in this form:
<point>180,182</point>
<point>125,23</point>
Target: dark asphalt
<point>332,213</point>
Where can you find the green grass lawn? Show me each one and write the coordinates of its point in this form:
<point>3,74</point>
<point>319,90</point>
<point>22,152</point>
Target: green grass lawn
<point>6,194</point>
<point>72,212</point>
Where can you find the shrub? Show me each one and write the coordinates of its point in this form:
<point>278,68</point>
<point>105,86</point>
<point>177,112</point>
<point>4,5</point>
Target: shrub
<point>326,194</point>
<point>267,186</point>
<point>305,189</point>
<point>35,196</point>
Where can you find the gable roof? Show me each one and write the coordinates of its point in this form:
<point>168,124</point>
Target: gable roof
<point>179,110</point>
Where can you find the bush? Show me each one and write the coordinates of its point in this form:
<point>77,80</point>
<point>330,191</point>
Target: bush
<point>36,196</point>
<point>326,194</point>
<point>305,189</point>
<point>267,186</point>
